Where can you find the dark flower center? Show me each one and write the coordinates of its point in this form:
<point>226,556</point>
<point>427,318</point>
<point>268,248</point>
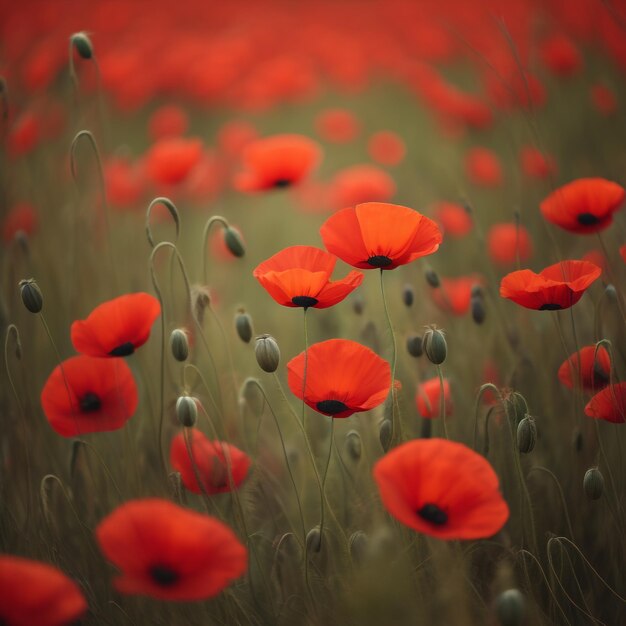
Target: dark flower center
<point>305,301</point>
<point>281,183</point>
<point>433,514</point>
<point>550,307</point>
<point>379,261</point>
<point>164,575</point>
<point>123,349</point>
<point>90,402</point>
<point>599,374</point>
<point>588,219</point>
<point>332,407</point>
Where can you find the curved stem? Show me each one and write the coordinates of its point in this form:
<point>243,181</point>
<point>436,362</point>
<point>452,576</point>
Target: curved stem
<point>205,236</point>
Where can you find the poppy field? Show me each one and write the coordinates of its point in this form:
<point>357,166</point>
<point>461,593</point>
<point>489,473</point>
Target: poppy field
<point>313,313</point>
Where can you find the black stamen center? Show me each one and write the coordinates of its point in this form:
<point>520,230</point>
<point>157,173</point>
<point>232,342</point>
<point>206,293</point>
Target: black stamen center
<point>433,514</point>
<point>305,301</point>
<point>281,183</point>
<point>90,402</point>
<point>331,407</point>
<point>123,349</point>
<point>379,261</point>
<point>164,575</point>
<point>550,307</point>
<point>588,219</point>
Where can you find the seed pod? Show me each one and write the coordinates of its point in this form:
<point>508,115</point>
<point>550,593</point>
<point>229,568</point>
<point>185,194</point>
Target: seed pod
<point>414,345</point>
<point>354,446</point>
<point>243,325</point>
<point>234,242</point>
<point>510,607</point>
<point>314,540</point>
<point>526,435</point>
<point>408,295</point>
<point>186,411</point>
<point>267,353</point>
<point>593,483</point>
<point>252,395</point>
<point>31,295</point>
<point>83,45</point>
<point>358,546</point>
<point>432,278</point>
<point>435,345</point>
<point>179,344</point>
<point>358,304</point>
<point>385,433</point>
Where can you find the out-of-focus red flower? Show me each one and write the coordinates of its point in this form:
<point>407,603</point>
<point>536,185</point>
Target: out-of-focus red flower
<point>592,368</point>
<point>234,136</point>
<point>169,161</point>
<point>622,251</point>
<point>507,243</point>
<point>455,220</point>
<point>536,164</point>
<point>603,99</point>
<point>337,125</point>
<point>597,258</point>
<point>454,294</point>
<point>206,180</point>
<point>560,55</point>
<point>361,183</point>
<point>483,168</point>
<point>609,404</point>
<point>168,121</point>
<point>428,396</point>
<point>386,148</point>
<point>22,217</point>
<point>24,135</point>
<point>125,183</point>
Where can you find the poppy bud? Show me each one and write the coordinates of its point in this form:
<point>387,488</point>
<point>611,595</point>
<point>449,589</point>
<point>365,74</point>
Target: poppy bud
<point>435,346</point>
<point>179,344</point>
<point>408,295</point>
<point>477,302</point>
<point>358,304</point>
<point>414,345</point>
<point>353,444</point>
<point>385,433</point>
<point>516,407</point>
<point>267,353</point>
<point>578,440</point>
<point>432,278</point>
<point>243,325</point>
<point>593,483</point>
<point>252,395</point>
<point>358,546</point>
<point>611,293</point>
<point>31,295</point>
<point>314,540</point>
<point>510,607</point>
<point>526,435</point>
<point>186,411</point>
<point>83,45</point>
<point>233,241</point>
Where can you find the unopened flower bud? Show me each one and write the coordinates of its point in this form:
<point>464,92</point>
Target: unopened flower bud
<point>234,242</point>
<point>358,546</point>
<point>593,483</point>
<point>526,434</point>
<point>515,407</point>
<point>477,304</point>
<point>187,411</point>
<point>354,446</point>
<point>267,353</point>
<point>253,396</point>
<point>435,345</point>
<point>83,45</point>
<point>510,608</point>
<point>31,295</point>
<point>432,278</point>
<point>414,345</point>
<point>611,293</point>
<point>314,539</point>
<point>179,344</point>
<point>385,433</point>
<point>358,304</point>
<point>243,325</point>
<point>408,295</point>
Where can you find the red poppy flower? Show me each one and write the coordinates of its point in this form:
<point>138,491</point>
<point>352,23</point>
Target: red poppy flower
<point>428,396</point>
<point>299,276</point>
<point>342,377</point>
<point>560,55</point>
<point>535,164</point>
<point>276,162</point>
<point>117,327</point>
<point>168,121</point>
<point>337,125</point>
<point>125,182</point>
<point>584,206</point>
<point>24,135</point>
<point>168,552</point>
<point>507,243</point>
<point>22,217</point>
<point>36,593</point>
<point>454,219</point>
<point>483,167</point>
<point>361,183</point>
<point>609,404</point>
<point>169,160</point>
<point>380,235</point>
<point>593,367</point>
<point>213,461</point>
<point>558,286</point>
<point>603,99</point>
<point>88,395</point>
<point>454,294</point>
<point>234,136</point>
<point>386,148</point>
<point>441,488</point>
<point>622,252</point>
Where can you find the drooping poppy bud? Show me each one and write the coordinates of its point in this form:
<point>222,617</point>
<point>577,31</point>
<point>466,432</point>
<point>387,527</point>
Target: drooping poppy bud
<point>526,435</point>
<point>31,295</point>
<point>243,325</point>
<point>593,483</point>
<point>234,242</point>
<point>83,45</point>
<point>414,345</point>
<point>408,295</point>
